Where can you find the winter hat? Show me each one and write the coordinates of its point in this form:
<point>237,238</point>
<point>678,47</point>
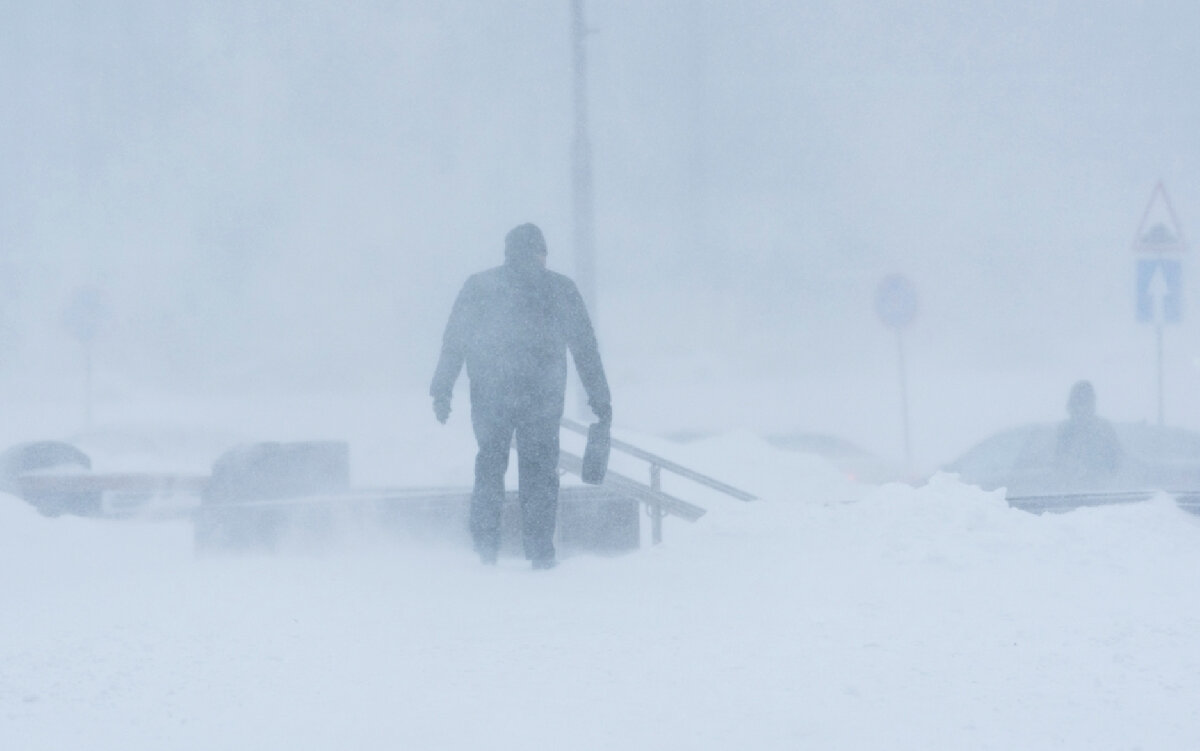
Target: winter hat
<point>1082,401</point>
<point>524,242</point>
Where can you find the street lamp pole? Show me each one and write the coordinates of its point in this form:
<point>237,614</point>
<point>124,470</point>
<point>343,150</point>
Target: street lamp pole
<point>585,243</point>
<point>581,177</point>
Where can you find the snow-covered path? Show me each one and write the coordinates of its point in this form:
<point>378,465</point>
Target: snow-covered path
<point>909,618</point>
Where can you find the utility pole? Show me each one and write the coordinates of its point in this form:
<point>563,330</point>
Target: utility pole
<point>585,241</point>
<point>581,178</point>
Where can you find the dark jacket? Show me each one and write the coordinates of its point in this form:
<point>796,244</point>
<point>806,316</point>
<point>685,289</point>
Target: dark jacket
<point>512,327</point>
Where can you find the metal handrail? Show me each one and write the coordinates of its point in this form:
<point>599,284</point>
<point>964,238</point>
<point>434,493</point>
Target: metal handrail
<point>1058,502</point>
<point>652,497</point>
<point>658,461</point>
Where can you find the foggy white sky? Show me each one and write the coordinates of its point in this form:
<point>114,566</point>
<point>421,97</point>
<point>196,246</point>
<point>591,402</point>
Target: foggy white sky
<point>293,192</point>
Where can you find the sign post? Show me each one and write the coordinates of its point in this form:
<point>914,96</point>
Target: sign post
<point>896,306</point>
<point>1158,247</point>
<point>85,314</point>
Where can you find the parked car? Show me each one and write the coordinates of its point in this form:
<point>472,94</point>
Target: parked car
<point>1021,460</point>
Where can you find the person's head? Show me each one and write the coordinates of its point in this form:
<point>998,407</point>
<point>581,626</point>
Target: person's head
<point>1082,401</point>
<point>525,245</point>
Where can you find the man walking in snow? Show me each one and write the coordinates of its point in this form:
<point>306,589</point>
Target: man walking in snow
<point>512,326</point>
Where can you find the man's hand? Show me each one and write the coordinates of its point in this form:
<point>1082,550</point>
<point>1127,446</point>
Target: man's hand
<point>441,409</point>
<point>603,412</point>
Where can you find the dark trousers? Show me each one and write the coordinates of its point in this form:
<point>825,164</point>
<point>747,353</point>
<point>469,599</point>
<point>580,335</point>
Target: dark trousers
<point>537,477</point>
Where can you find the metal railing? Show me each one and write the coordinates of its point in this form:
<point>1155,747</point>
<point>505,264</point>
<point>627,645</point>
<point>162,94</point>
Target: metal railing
<point>1188,500</point>
<point>658,504</point>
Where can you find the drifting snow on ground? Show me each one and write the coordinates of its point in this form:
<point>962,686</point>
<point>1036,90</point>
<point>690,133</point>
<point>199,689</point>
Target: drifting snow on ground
<point>821,616</point>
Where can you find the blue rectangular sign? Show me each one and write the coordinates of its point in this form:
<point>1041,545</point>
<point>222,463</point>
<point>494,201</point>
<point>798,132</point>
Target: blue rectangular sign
<point>1159,290</point>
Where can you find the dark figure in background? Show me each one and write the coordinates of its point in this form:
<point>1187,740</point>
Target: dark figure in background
<point>1087,448</point>
<point>512,325</point>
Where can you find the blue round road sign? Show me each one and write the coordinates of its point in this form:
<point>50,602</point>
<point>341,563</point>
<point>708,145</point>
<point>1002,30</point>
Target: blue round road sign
<point>896,301</point>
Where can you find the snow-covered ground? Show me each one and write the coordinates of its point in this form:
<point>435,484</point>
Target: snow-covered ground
<point>825,615</point>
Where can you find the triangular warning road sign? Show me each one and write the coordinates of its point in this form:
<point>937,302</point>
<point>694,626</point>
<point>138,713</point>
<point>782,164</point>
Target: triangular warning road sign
<point>1159,231</point>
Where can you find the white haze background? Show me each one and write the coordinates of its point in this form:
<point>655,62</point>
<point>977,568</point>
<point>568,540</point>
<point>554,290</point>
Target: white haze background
<point>279,202</point>
<point>286,196</point>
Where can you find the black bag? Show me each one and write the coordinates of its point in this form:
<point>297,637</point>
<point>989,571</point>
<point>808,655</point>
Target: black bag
<point>595,455</point>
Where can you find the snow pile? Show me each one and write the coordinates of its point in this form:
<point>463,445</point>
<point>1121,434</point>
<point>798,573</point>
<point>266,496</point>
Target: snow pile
<point>908,618</point>
<point>747,462</point>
